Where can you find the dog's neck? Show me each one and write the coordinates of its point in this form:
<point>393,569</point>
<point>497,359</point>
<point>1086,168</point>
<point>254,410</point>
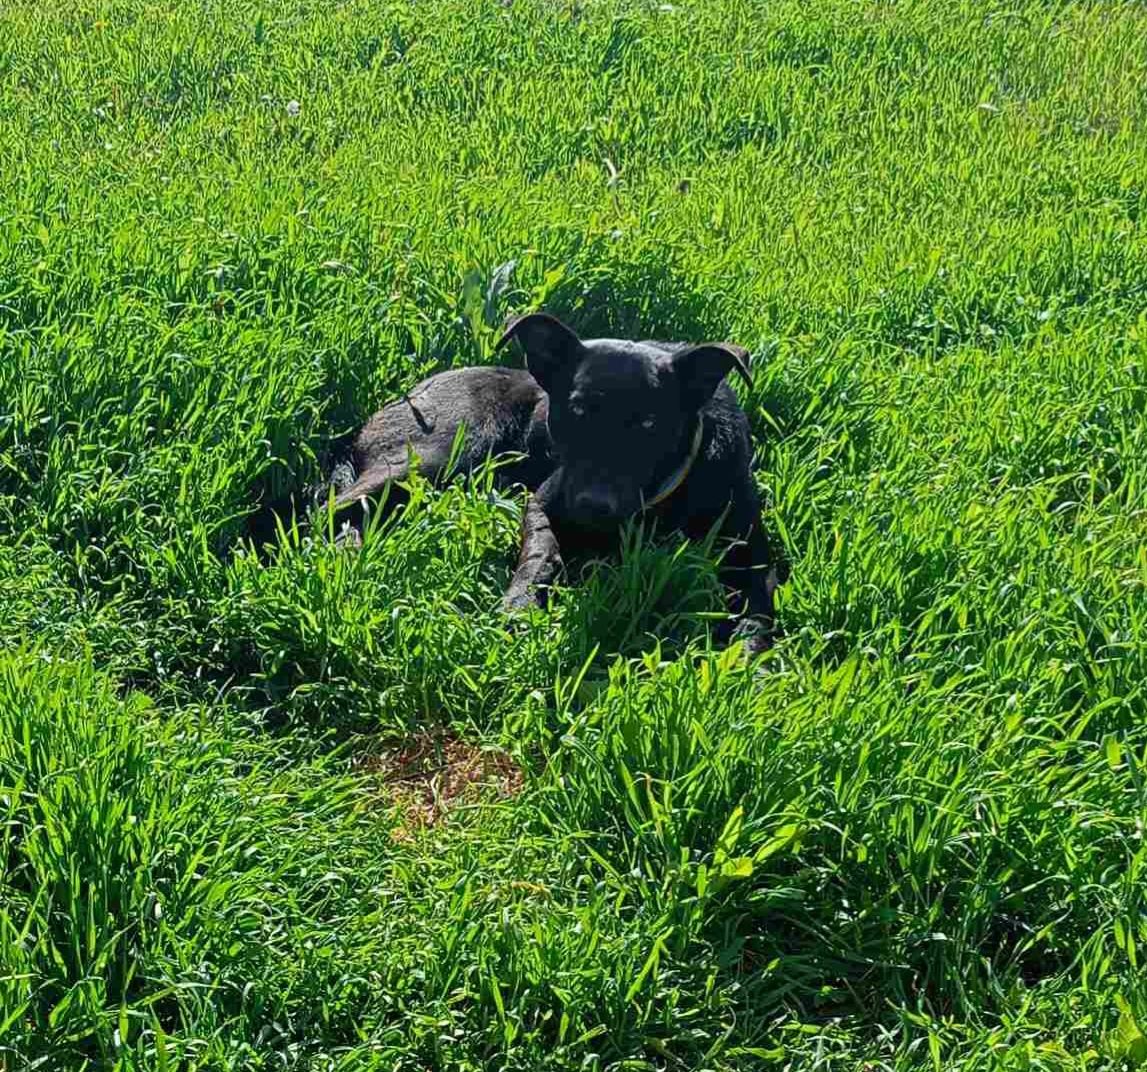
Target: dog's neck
<point>676,477</point>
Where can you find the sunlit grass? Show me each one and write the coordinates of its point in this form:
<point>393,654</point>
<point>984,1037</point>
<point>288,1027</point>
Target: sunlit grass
<point>911,838</point>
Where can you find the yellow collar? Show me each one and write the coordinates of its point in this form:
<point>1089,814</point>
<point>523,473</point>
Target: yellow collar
<point>677,477</point>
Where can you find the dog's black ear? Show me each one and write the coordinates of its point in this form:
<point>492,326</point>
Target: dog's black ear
<point>548,343</point>
<point>700,368</point>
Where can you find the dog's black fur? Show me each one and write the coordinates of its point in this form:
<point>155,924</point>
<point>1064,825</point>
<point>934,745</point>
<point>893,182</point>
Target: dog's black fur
<point>598,426</point>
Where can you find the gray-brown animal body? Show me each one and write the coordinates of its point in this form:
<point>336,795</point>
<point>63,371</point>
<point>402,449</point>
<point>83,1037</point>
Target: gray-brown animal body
<point>603,429</point>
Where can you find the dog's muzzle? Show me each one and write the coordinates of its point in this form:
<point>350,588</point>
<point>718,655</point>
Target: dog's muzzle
<point>597,506</point>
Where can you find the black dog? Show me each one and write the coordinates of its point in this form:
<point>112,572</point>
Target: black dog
<point>603,429</point>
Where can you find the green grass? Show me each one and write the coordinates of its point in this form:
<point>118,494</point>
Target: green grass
<point>912,838</point>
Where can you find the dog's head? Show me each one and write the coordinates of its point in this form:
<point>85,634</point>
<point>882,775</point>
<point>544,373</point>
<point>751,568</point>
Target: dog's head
<point>621,413</point>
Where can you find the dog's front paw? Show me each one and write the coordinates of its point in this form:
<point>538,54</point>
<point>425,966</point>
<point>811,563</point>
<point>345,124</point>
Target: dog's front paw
<point>522,598</point>
<point>755,634</point>
<point>514,603</point>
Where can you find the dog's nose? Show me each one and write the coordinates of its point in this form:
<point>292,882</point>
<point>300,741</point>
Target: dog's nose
<point>597,504</point>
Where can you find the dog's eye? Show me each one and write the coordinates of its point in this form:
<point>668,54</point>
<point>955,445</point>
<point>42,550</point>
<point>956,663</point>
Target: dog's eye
<point>648,423</point>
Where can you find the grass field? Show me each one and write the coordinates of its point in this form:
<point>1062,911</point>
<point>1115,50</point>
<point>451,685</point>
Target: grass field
<point>321,810</point>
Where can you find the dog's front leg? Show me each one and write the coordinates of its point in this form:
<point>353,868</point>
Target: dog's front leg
<point>751,579</point>
<point>540,559</point>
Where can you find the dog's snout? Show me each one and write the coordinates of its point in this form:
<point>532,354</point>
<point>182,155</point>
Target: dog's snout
<point>598,504</point>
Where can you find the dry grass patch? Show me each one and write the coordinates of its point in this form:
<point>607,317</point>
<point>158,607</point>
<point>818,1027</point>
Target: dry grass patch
<point>429,775</point>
